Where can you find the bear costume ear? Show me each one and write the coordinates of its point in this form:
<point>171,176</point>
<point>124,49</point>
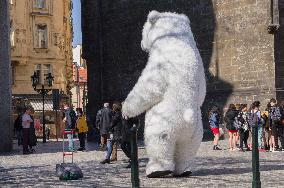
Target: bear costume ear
<point>153,16</point>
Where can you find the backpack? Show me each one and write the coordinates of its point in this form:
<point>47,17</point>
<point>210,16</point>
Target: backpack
<point>237,123</point>
<point>252,121</point>
<point>275,114</point>
<point>73,118</point>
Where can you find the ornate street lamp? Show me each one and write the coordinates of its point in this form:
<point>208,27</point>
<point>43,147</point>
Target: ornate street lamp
<point>43,91</point>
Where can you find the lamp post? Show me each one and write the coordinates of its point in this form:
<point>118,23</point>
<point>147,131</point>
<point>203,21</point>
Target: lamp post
<point>43,91</point>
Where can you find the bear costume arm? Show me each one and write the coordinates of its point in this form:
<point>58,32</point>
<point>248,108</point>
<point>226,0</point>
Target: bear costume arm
<point>148,91</point>
<point>202,86</point>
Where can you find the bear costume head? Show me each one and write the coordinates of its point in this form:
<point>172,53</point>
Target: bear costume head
<point>164,24</point>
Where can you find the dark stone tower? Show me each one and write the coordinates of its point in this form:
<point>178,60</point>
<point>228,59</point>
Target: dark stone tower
<point>232,37</point>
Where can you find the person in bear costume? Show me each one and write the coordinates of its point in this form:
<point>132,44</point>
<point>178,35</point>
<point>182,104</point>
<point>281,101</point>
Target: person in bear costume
<point>171,89</point>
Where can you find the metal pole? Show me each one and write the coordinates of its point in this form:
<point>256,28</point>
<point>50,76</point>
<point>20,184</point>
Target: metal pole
<point>255,157</point>
<point>134,159</point>
<point>43,117</point>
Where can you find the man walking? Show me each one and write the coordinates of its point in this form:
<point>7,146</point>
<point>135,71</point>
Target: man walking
<point>114,134</point>
<point>103,120</point>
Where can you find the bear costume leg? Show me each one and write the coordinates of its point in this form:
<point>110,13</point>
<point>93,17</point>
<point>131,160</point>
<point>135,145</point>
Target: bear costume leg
<point>186,149</point>
<point>160,146</point>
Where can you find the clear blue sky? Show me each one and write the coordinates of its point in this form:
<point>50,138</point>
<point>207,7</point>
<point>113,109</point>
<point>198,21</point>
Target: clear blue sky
<point>76,14</point>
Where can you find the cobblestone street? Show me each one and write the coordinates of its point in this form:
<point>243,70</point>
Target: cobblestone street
<point>213,169</point>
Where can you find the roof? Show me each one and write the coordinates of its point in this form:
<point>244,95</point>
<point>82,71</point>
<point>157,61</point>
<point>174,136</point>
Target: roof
<point>82,74</point>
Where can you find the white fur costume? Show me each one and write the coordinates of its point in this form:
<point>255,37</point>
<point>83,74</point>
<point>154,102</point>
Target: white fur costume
<point>171,90</point>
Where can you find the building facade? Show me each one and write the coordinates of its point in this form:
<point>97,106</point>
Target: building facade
<point>240,42</point>
<point>41,38</point>
<point>79,91</point>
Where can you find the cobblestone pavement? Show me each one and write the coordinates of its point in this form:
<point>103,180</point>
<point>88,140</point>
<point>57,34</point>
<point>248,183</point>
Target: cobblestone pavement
<point>213,169</point>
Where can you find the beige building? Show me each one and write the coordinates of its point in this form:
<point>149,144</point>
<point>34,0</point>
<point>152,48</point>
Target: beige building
<point>41,37</point>
<point>79,92</point>
<point>41,42</point>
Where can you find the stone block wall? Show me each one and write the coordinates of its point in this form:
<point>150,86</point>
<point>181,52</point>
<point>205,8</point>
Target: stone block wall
<point>279,54</point>
<point>236,49</point>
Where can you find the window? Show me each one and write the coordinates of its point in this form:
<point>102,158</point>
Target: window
<point>42,71</point>
<point>12,34</point>
<point>46,70</point>
<point>41,34</point>
<point>39,4</point>
<point>38,72</point>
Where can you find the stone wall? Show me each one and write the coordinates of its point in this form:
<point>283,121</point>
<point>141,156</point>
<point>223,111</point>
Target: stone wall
<point>279,54</point>
<point>243,50</point>
<point>236,49</point>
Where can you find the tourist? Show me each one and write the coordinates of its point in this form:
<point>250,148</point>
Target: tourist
<point>32,135</point>
<point>214,120</point>
<point>18,128</point>
<point>255,120</point>
<point>26,122</point>
<point>229,120</point>
<point>70,121</point>
<point>274,119</point>
<point>238,109</point>
<point>114,134</point>
<point>103,121</point>
<point>244,128</point>
<point>260,127</point>
<point>281,127</point>
<point>266,132</point>
<point>82,128</point>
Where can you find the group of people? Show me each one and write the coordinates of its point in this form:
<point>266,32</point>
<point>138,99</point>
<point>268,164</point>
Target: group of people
<point>75,122</point>
<point>25,130</point>
<point>114,130</point>
<point>239,120</point>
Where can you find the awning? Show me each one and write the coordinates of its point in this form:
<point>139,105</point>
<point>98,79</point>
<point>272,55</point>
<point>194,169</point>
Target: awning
<point>37,104</point>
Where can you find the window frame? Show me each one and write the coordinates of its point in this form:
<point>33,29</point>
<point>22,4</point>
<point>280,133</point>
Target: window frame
<point>39,33</point>
<point>43,72</point>
<point>39,4</point>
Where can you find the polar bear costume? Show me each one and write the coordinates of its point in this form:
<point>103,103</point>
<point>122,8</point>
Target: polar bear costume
<point>171,89</point>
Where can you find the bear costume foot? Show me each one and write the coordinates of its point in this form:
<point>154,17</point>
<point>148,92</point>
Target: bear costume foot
<point>184,174</point>
<point>159,174</point>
